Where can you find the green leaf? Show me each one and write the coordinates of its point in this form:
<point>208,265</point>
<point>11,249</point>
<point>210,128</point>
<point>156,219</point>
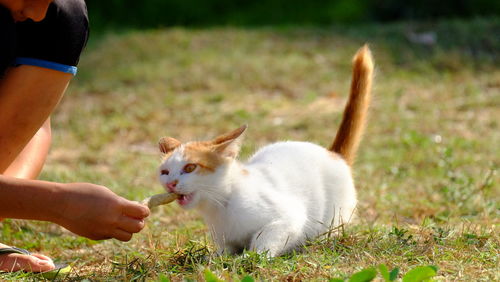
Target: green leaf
<point>420,273</point>
<point>385,272</point>
<point>247,278</point>
<point>394,274</point>
<point>209,276</point>
<point>163,278</point>
<point>336,280</point>
<point>364,275</point>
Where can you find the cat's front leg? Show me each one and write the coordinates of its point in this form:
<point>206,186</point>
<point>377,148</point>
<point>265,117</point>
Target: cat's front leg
<point>276,238</point>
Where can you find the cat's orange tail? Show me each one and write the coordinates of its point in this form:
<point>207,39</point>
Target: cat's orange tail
<point>353,121</point>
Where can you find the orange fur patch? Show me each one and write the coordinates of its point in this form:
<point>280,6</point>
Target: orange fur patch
<point>230,136</point>
<point>201,153</point>
<point>353,121</point>
<point>168,144</point>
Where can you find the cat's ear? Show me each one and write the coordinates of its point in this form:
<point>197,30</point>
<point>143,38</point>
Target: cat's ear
<point>229,144</point>
<point>168,144</point>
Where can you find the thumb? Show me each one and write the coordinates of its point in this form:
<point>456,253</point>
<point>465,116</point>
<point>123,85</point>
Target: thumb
<point>135,209</point>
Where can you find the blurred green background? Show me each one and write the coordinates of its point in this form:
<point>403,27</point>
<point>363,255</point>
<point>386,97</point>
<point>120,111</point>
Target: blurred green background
<point>159,13</point>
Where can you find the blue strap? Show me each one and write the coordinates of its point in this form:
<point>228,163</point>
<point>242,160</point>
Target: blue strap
<point>13,250</point>
<point>45,64</point>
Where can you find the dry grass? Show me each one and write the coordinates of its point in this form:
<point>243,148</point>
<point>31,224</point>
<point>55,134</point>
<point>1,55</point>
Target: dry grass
<point>426,171</point>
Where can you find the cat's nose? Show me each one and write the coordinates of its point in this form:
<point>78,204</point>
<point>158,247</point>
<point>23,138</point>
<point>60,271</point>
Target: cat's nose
<point>171,185</point>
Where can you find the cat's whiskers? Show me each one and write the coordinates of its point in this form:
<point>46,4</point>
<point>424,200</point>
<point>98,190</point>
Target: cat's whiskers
<point>211,192</point>
<point>214,197</point>
<point>206,186</point>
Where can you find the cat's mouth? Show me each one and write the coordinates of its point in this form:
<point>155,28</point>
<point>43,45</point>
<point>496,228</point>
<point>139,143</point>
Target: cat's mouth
<point>185,199</point>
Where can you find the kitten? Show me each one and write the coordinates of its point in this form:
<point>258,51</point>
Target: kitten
<point>286,193</point>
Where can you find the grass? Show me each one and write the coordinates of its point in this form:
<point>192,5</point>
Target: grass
<point>427,171</point>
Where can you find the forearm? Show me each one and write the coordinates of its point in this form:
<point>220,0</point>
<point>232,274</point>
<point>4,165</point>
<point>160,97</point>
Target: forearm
<point>86,209</point>
<point>30,199</point>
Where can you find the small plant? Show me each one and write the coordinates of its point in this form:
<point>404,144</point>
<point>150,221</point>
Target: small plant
<point>419,273</point>
<point>439,234</point>
<point>401,236</point>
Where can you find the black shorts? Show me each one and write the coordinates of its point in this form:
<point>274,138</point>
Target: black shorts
<point>56,42</point>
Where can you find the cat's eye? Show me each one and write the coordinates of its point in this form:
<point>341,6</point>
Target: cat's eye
<point>189,168</point>
<point>164,172</point>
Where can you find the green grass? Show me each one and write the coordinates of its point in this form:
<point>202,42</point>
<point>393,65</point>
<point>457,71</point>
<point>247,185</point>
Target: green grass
<point>427,170</point>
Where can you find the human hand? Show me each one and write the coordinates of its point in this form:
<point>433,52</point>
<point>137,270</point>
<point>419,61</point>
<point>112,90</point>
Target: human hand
<point>95,212</point>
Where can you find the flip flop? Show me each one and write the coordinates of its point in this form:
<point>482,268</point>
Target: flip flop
<point>61,268</point>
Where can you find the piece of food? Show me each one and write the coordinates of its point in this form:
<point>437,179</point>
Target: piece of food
<point>160,199</point>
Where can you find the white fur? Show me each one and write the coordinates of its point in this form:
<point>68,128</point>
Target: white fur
<point>285,194</point>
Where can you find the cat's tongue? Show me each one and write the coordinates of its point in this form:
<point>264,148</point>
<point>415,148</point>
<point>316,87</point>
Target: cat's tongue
<point>185,199</point>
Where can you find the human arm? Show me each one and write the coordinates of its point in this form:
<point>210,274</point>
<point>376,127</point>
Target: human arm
<point>28,95</point>
<point>86,209</point>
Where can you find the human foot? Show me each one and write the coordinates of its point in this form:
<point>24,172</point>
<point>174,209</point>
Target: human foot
<point>15,261</point>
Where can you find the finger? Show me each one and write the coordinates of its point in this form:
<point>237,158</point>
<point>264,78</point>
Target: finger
<point>130,224</point>
<point>135,210</point>
<point>122,235</point>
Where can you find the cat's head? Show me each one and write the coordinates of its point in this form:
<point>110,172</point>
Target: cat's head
<point>198,170</point>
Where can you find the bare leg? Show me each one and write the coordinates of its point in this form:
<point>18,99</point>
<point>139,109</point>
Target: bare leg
<point>29,162</point>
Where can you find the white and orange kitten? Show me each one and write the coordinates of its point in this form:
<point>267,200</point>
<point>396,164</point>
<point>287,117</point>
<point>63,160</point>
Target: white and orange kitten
<point>286,193</point>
